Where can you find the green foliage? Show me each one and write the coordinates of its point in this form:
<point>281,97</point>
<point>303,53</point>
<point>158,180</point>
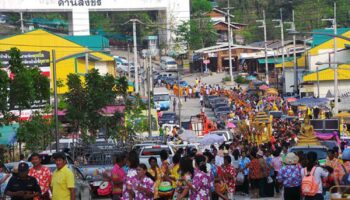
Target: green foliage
<point>75,102</point>
<point>113,23</point>
<point>22,90</point>
<point>15,61</point>
<point>198,32</point>
<point>240,79</point>
<point>200,6</point>
<point>35,133</point>
<point>308,15</point>
<point>41,85</point>
<point>226,79</point>
<point>4,93</point>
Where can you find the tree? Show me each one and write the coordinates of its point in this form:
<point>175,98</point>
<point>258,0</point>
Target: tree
<point>98,95</point>
<point>199,31</point>
<point>22,90</point>
<point>4,92</point>
<point>41,85</point>
<point>15,61</point>
<point>4,95</point>
<point>35,132</point>
<point>75,101</point>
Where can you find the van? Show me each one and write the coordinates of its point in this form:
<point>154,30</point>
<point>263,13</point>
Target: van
<point>168,63</point>
<point>168,74</point>
<point>161,98</point>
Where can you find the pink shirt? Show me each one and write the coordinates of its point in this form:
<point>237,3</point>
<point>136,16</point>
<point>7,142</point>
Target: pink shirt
<point>117,174</point>
<point>276,163</point>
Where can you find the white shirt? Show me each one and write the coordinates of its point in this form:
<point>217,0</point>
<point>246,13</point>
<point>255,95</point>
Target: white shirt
<point>219,160</point>
<point>319,173</point>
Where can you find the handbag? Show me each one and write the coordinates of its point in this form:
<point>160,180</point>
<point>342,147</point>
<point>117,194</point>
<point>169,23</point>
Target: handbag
<point>104,189</point>
<point>240,178</point>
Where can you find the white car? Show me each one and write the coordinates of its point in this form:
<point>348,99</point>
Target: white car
<point>154,151</point>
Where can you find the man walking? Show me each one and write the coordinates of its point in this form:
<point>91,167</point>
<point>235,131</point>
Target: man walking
<point>174,104</point>
<point>22,186</point>
<point>42,175</point>
<point>62,183</point>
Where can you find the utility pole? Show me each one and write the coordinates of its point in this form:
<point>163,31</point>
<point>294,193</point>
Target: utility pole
<point>178,96</point>
<point>22,24</point>
<point>280,21</point>
<point>265,45</point>
<point>229,38</point>
<point>335,66</point>
<point>135,51</point>
<point>149,97</point>
<point>55,97</point>
<point>129,75</point>
<point>292,29</point>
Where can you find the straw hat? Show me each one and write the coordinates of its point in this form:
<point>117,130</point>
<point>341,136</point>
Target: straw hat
<point>291,159</point>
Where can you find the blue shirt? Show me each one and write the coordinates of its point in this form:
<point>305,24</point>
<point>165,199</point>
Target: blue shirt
<point>290,176</point>
<point>243,164</point>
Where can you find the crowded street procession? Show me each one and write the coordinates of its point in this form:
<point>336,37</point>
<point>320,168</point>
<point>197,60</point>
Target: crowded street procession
<point>174,100</point>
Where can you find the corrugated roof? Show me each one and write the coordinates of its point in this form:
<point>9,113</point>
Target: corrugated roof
<point>93,42</point>
<point>319,39</point>
<point>328,74</point>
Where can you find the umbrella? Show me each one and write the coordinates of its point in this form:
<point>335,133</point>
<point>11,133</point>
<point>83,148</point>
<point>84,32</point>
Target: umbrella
<point>212,139</point>
<point>291,99</point>
<point>263,87</point>
<point>250,78</point>
<point>188,135</point>
<point>231,125</point>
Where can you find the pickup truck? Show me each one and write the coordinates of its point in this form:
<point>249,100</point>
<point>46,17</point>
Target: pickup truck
<point>149,151</point>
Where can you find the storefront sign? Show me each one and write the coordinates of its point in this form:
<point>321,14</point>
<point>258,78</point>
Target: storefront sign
<point>39,59</point>
<point>79,3</point>
<point>30,59</point>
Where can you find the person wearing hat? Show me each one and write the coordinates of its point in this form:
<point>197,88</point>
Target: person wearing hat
<point>62,183</point>
<point>290,176</point>
<point>22,186</point>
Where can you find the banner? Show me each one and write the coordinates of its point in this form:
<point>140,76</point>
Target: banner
<point>40,59</point>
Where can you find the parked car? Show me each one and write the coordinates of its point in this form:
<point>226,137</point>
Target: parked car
<point>168,118</point>
<point>218,105</point>
<point>207,99</point>
<point>226,133</point>
<point>149,151</point>
<point>221,110</point>
<point>218,100</point>
<point>168,63</point>
<point>321,151</point>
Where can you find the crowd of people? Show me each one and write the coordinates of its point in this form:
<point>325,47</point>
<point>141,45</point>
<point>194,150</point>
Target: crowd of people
<point>230,169</point>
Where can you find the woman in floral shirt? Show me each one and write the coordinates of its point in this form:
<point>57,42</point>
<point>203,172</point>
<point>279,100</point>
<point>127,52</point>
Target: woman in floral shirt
<point>229,176</point>
<point>143,186</point>
<point>133,162</point>
<point>200,186</point>
<point>290,176</point>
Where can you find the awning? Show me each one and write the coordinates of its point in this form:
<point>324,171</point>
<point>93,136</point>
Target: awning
<point>274,60</point>
<point>8,134</point>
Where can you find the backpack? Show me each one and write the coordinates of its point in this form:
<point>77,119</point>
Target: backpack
<point>309,185</point>
<point>346,178</point>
